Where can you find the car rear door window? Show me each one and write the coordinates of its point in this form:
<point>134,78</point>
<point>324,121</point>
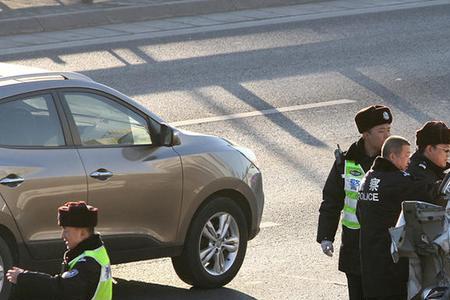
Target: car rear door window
<point>102,121</point>
<point>31,121</point>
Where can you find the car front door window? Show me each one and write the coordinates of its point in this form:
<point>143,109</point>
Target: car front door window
<point>101,121</point>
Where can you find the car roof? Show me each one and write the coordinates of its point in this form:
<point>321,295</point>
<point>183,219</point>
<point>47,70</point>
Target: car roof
<point>17,73</point>
<point>17,79</point>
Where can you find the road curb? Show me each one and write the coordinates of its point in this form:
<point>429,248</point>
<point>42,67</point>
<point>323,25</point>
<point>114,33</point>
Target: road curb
<point>115,15</point>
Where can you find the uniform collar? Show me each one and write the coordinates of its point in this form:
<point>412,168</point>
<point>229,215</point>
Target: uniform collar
<point>420,158</point>
<point>357,152</point>
<point>384,165</point>
<point>91,243</point>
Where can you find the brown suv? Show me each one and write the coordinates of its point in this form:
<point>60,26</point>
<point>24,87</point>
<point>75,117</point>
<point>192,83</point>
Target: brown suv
<point>161,191</point>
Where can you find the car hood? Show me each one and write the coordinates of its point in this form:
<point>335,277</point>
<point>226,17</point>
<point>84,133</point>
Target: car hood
<point>201,141</point>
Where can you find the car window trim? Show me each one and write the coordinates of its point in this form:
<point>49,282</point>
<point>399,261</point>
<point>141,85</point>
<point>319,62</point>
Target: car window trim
<point>61,118</point>
<point>73,127</point>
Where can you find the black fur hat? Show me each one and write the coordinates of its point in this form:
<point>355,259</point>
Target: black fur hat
<point>372,116</point>
<point>77,214</point>
<point>433,133</point>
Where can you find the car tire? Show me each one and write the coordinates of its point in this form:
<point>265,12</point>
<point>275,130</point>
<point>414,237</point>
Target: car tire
<point>208,260</point>
<point>6,263</point>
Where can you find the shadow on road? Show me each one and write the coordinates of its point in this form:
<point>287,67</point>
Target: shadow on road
<point>284,122</point>
<point>137,290</point>
<point>390,97</point>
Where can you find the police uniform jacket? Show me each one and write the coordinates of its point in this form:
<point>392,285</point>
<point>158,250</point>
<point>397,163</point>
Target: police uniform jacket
<point>332,205</point>
<point>80,283</point>
<point>422,167</point>
<point>382,191</point>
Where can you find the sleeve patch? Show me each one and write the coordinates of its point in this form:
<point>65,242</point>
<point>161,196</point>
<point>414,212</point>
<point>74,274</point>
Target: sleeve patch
<point>70,274</point>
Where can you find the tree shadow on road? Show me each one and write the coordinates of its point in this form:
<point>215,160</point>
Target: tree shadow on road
<point>138,290</point>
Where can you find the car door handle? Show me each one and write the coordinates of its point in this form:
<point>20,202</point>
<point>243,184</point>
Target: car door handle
<point>12,180</point>
<point>101,174</point>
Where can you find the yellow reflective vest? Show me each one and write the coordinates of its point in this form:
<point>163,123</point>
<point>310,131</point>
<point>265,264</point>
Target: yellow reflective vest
<point>353,174</point>
<point>104,286</point>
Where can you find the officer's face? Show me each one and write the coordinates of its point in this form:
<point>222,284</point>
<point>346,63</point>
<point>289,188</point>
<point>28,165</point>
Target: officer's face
<point>401,160</point>
<point>377,135</point>
<point>72,236</point>
<point>438,154</point>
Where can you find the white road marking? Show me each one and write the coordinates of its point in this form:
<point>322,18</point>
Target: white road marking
<point>268,224</point>
<point>313,279</point>
<point>261,112</point>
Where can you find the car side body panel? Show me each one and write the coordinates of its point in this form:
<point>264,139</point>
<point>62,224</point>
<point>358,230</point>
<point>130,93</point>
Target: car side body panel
<point>8,225</point>
<point>211,165</point>
<point>143,197</point>
<point>51,178</point>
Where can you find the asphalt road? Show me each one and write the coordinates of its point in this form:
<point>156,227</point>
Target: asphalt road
<point>399,58</point>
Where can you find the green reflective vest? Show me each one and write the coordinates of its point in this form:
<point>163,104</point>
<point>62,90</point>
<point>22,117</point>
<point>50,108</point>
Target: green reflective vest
<point>353,174</point>
<point>104,287</point>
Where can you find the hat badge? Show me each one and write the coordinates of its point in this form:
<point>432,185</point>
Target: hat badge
<point>385,115</point>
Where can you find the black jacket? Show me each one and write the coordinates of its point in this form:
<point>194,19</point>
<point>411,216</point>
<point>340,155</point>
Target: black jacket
<point>382,191</point>
<point>423,168</point>
<point>78,284</point>
<point>332,205</point>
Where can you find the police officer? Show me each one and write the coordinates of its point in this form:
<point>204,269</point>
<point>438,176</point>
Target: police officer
<point>383,189</point>
<point>86,273</point>
<point>341,193</point>
<point>430,161</point>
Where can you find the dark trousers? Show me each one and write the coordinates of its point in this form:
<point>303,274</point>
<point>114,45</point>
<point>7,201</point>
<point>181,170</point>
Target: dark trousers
<point>354,283</point>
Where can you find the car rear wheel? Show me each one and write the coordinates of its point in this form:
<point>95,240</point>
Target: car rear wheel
<point>6,262</point>
<point>215,245</point>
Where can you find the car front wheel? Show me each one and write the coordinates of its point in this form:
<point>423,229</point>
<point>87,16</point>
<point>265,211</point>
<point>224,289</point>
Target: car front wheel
<point>215,245</point>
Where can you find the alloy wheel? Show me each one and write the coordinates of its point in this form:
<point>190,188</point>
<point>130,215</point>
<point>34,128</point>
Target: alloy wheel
<point>219,243</point>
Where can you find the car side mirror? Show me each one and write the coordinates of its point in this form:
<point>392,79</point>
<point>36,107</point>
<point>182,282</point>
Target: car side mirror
<point>166,135</point>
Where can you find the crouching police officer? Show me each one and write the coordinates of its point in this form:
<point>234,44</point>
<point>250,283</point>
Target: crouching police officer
<point>383,189</point>
<point>430,161</point>
<point>341,193</point>
<point>86,273</point>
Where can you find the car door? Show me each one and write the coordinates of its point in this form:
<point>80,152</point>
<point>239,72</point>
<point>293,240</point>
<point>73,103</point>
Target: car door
<point>39,169</point>
<point>136,184</point>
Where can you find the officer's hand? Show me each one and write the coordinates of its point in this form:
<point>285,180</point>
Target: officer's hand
<point>13,273</point>
<point>327,247</point>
